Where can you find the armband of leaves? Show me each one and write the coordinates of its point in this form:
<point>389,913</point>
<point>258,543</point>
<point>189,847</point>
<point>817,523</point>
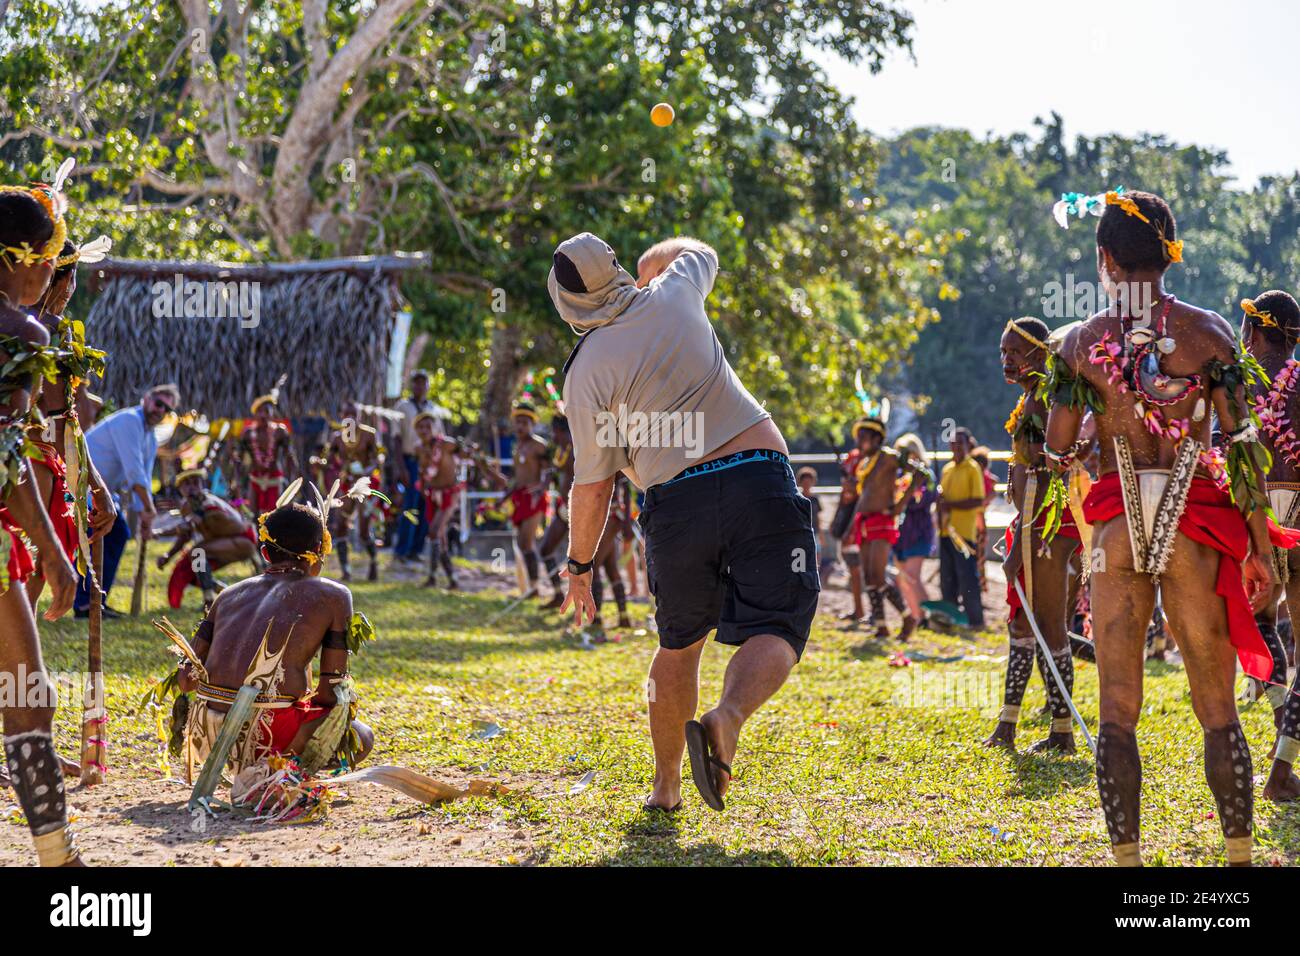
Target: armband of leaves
<point>1241,375</point>
<point>77,360</point>
<point>1056,498</point>
<point>1247,459</point>
<point>360,631</point>
<point>27,362</point>
<point>1061,386</point>
<point>173,732</point>
<point>1031,428</point>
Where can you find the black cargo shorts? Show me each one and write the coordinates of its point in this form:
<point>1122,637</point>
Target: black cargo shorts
<point>730,545</point>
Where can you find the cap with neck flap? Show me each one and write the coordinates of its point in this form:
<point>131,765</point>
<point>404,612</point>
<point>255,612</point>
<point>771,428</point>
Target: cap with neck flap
<point>586,283</point>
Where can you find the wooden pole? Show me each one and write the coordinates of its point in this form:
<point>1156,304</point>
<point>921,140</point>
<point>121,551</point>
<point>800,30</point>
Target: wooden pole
<point>94,713</point>
<point>137,592</point>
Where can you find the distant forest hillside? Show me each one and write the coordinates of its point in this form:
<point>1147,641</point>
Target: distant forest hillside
<point>1014,260</point>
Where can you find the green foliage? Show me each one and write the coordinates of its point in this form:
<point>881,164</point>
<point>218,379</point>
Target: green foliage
<point>485,138</point>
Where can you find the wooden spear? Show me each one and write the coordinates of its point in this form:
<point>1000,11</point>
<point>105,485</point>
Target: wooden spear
<point>94,712</point>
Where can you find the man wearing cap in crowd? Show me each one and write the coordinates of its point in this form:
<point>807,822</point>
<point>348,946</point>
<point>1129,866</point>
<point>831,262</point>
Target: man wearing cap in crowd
<point>406,451</point>
<point>729,540</point>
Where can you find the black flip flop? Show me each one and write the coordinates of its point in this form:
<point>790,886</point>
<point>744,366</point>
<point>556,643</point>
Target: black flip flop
<point>655,808</point>
<point>703,763</point>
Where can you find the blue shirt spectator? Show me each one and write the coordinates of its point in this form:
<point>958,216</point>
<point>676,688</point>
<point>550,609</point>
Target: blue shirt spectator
<point>123,448</point>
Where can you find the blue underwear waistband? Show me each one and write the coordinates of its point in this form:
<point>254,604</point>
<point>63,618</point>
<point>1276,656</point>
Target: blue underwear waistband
<point>725,462</point>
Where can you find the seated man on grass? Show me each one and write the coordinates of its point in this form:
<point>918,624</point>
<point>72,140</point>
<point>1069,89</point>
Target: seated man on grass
<point>266,631</point>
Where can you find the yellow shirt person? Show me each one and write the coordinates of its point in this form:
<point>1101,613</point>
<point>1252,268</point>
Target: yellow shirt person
<point>961,481</point>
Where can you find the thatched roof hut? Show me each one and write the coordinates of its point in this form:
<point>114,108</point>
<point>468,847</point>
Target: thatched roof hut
<point>225,333</point>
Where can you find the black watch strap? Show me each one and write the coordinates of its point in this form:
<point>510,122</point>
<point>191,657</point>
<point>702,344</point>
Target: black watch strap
<point>577,567</point>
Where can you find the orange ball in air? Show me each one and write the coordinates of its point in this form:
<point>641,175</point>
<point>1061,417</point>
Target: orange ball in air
<point>662,114</point>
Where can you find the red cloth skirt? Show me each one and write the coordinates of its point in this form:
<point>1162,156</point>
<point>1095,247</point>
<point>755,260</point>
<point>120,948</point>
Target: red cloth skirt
<point>21,564</point>
<point>440,499</point>
<point>1068,529</point>
<point>60,503</point>
<point>287,721</point>
<point>528,502</point>
<point>877,526</point>
<point>266,487</point>
<point>1210,518</point>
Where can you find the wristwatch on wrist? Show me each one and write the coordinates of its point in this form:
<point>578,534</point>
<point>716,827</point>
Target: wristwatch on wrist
<point>578,567</point>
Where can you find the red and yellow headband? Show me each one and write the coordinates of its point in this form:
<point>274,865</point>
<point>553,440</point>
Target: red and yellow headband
<point>1261,318</point>
<point>24,254</point>
<point>1173,249</point>
<point>51,199</point>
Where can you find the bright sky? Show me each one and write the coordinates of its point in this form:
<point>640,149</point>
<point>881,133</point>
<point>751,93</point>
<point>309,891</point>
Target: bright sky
<point>1217,73</point>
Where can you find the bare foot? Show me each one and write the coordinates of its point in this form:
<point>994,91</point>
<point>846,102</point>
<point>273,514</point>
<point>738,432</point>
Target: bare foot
<point>70,768</point>
<point>1004,736</point>
<point>909,625</point>
<point>724,734</point>
<point>1282,786</point>
<point>1062,743</point>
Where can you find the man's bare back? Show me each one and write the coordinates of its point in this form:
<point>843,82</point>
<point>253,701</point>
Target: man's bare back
<point>1201,337</point>
<point>311,606</point>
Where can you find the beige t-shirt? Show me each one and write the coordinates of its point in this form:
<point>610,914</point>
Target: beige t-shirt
<point>651,392</point>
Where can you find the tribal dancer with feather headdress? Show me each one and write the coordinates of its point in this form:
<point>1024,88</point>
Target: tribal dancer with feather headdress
<point>62,468</point>
<point>32,236</point>
<point>264,455</point>
<point>1043,569</point>
<point>1151,369</point>
<point>352,454</point>
<point>266,632</point>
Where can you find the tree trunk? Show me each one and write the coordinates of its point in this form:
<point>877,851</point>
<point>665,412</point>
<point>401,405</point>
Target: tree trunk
<point>504,376</point>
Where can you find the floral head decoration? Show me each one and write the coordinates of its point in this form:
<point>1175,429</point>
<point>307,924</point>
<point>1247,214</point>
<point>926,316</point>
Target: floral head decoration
<point>1260,317</point>
<point>285,499</point>
<point>52,200</point>
<point>1079,204</point>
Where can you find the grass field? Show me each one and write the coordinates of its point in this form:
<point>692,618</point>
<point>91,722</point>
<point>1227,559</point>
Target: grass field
<point>855,762</point>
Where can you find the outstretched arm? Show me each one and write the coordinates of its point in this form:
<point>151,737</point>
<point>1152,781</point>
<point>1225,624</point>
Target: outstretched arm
<point>588,511</point>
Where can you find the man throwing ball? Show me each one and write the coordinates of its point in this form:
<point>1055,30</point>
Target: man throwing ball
<point>729,540</point>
